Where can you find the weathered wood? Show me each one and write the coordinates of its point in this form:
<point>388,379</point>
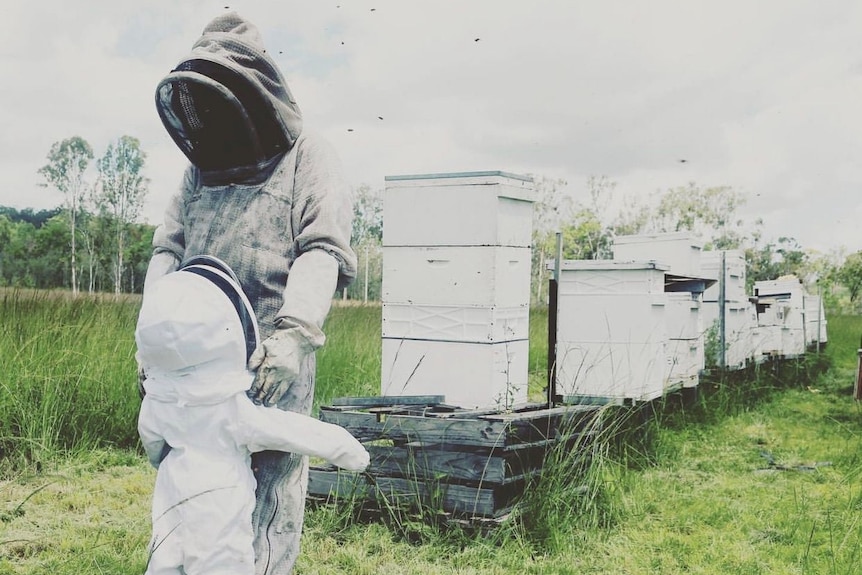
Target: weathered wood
<point>487,430</point>
<point>493,501</point>
<point>482,466</point>
<point>384,400</point>
<point>448,431</point>
<point>546,423</point>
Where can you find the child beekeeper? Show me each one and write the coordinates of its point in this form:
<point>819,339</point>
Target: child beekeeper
<point>195,334</point>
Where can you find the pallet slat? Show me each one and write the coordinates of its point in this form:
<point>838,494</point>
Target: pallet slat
<point>487,501</point>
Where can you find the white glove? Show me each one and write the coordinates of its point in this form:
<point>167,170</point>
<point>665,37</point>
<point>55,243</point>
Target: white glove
<point>277,361</point>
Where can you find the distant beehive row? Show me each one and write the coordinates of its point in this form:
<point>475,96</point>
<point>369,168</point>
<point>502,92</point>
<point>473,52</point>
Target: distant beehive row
<point>645,323</point>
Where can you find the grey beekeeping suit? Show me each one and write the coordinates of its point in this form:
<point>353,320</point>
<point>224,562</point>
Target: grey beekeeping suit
<point>270,200</point>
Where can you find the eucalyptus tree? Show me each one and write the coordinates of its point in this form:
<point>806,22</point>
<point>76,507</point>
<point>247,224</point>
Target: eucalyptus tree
<point>120,192</point>
<point>68,161</point>
<point>367,240</point>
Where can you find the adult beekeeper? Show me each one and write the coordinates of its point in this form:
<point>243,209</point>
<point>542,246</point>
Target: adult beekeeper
<point>270,200</point>
<point>195,333</point>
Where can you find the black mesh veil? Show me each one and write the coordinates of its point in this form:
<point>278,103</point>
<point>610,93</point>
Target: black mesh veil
<point>217,118</point>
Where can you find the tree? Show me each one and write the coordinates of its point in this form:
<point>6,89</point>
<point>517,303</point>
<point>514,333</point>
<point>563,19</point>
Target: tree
<point>850,275</point>
<point>550,210</point>
<point>67,162</point>
<point>709,212</point>
<point>48,266</point>
<point>367,216</point>
<point>770,260</point>
<point>121,190</point>
<point>28,215</point>
<point>367,240</point>
<point>6,231</point>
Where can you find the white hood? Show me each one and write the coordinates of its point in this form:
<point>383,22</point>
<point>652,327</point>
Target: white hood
<point>195,332</point>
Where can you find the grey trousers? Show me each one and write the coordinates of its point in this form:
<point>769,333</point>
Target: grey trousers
<point>282,484</point>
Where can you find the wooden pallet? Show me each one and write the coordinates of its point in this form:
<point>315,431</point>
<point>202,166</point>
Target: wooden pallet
<point>474,463</point>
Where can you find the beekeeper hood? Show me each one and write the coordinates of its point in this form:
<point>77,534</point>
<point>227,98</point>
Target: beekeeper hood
<point>227,105</point>
<point>196,331</point>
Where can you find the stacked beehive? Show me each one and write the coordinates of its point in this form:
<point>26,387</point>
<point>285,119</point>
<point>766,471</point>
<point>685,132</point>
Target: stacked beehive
<point>740,315</point>
<point>781,316</point>
<point>681,253</point>
<point>815,321</point>
<point>456,287</point>
<point>612,338</point>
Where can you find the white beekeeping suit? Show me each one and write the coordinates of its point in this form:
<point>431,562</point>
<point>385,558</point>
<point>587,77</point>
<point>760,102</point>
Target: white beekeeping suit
<point>195,333</point>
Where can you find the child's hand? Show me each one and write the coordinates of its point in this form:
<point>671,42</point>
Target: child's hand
<point>350,455</point>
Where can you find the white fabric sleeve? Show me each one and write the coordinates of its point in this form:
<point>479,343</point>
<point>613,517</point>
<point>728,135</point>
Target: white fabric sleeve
<point>269,428</point>
<point>308,295</point>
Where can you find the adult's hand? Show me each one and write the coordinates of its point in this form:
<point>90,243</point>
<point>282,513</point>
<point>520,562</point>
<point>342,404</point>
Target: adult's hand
<point>277,362</point>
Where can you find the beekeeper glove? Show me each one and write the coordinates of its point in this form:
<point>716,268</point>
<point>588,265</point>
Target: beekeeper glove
<point>307,299</point>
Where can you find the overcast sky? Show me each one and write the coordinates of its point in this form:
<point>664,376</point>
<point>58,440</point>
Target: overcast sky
<point>763,96</point>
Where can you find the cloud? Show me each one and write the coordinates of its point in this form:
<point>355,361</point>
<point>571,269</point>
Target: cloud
<point>760,96</point>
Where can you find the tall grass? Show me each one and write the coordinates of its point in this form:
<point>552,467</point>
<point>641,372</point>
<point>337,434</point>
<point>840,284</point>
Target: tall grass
<point>68,373</point>
<point>349,363</point>
<point>762,473</point>
<point>845,338</point>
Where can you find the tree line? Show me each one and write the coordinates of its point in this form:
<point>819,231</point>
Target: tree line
<point>93,242</point>
<point>589,226</point>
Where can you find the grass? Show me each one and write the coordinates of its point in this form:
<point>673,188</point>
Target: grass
<point>762,475</point>
<point>68,374</point>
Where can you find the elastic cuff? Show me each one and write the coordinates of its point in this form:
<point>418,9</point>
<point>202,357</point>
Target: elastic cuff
<point>312,336</point>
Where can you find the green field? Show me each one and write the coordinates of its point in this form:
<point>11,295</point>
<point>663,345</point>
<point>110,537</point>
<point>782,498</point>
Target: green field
<point>762,475</point>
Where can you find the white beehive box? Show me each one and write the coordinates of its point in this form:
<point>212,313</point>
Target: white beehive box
<point>683,316</point>
<point>620,335</point>
<point>470,324</point>
<point>610,277</point>
<point>769,340</point>
<point>792,342</point>
<point>685,345</point>
<point>456,287</point>
<point>611,331</point>
<point>612,371</point>
<point>469,375</point>
<point>759,343</point>
<point>815,320</point>
<point>734,265</point>
<point>458,209</point>
<point>788,285</point>
<point>686,362</point>
<point>611,318</point>
<point>740,323</point>
<point>461,276</point>
<point>678,250</point>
